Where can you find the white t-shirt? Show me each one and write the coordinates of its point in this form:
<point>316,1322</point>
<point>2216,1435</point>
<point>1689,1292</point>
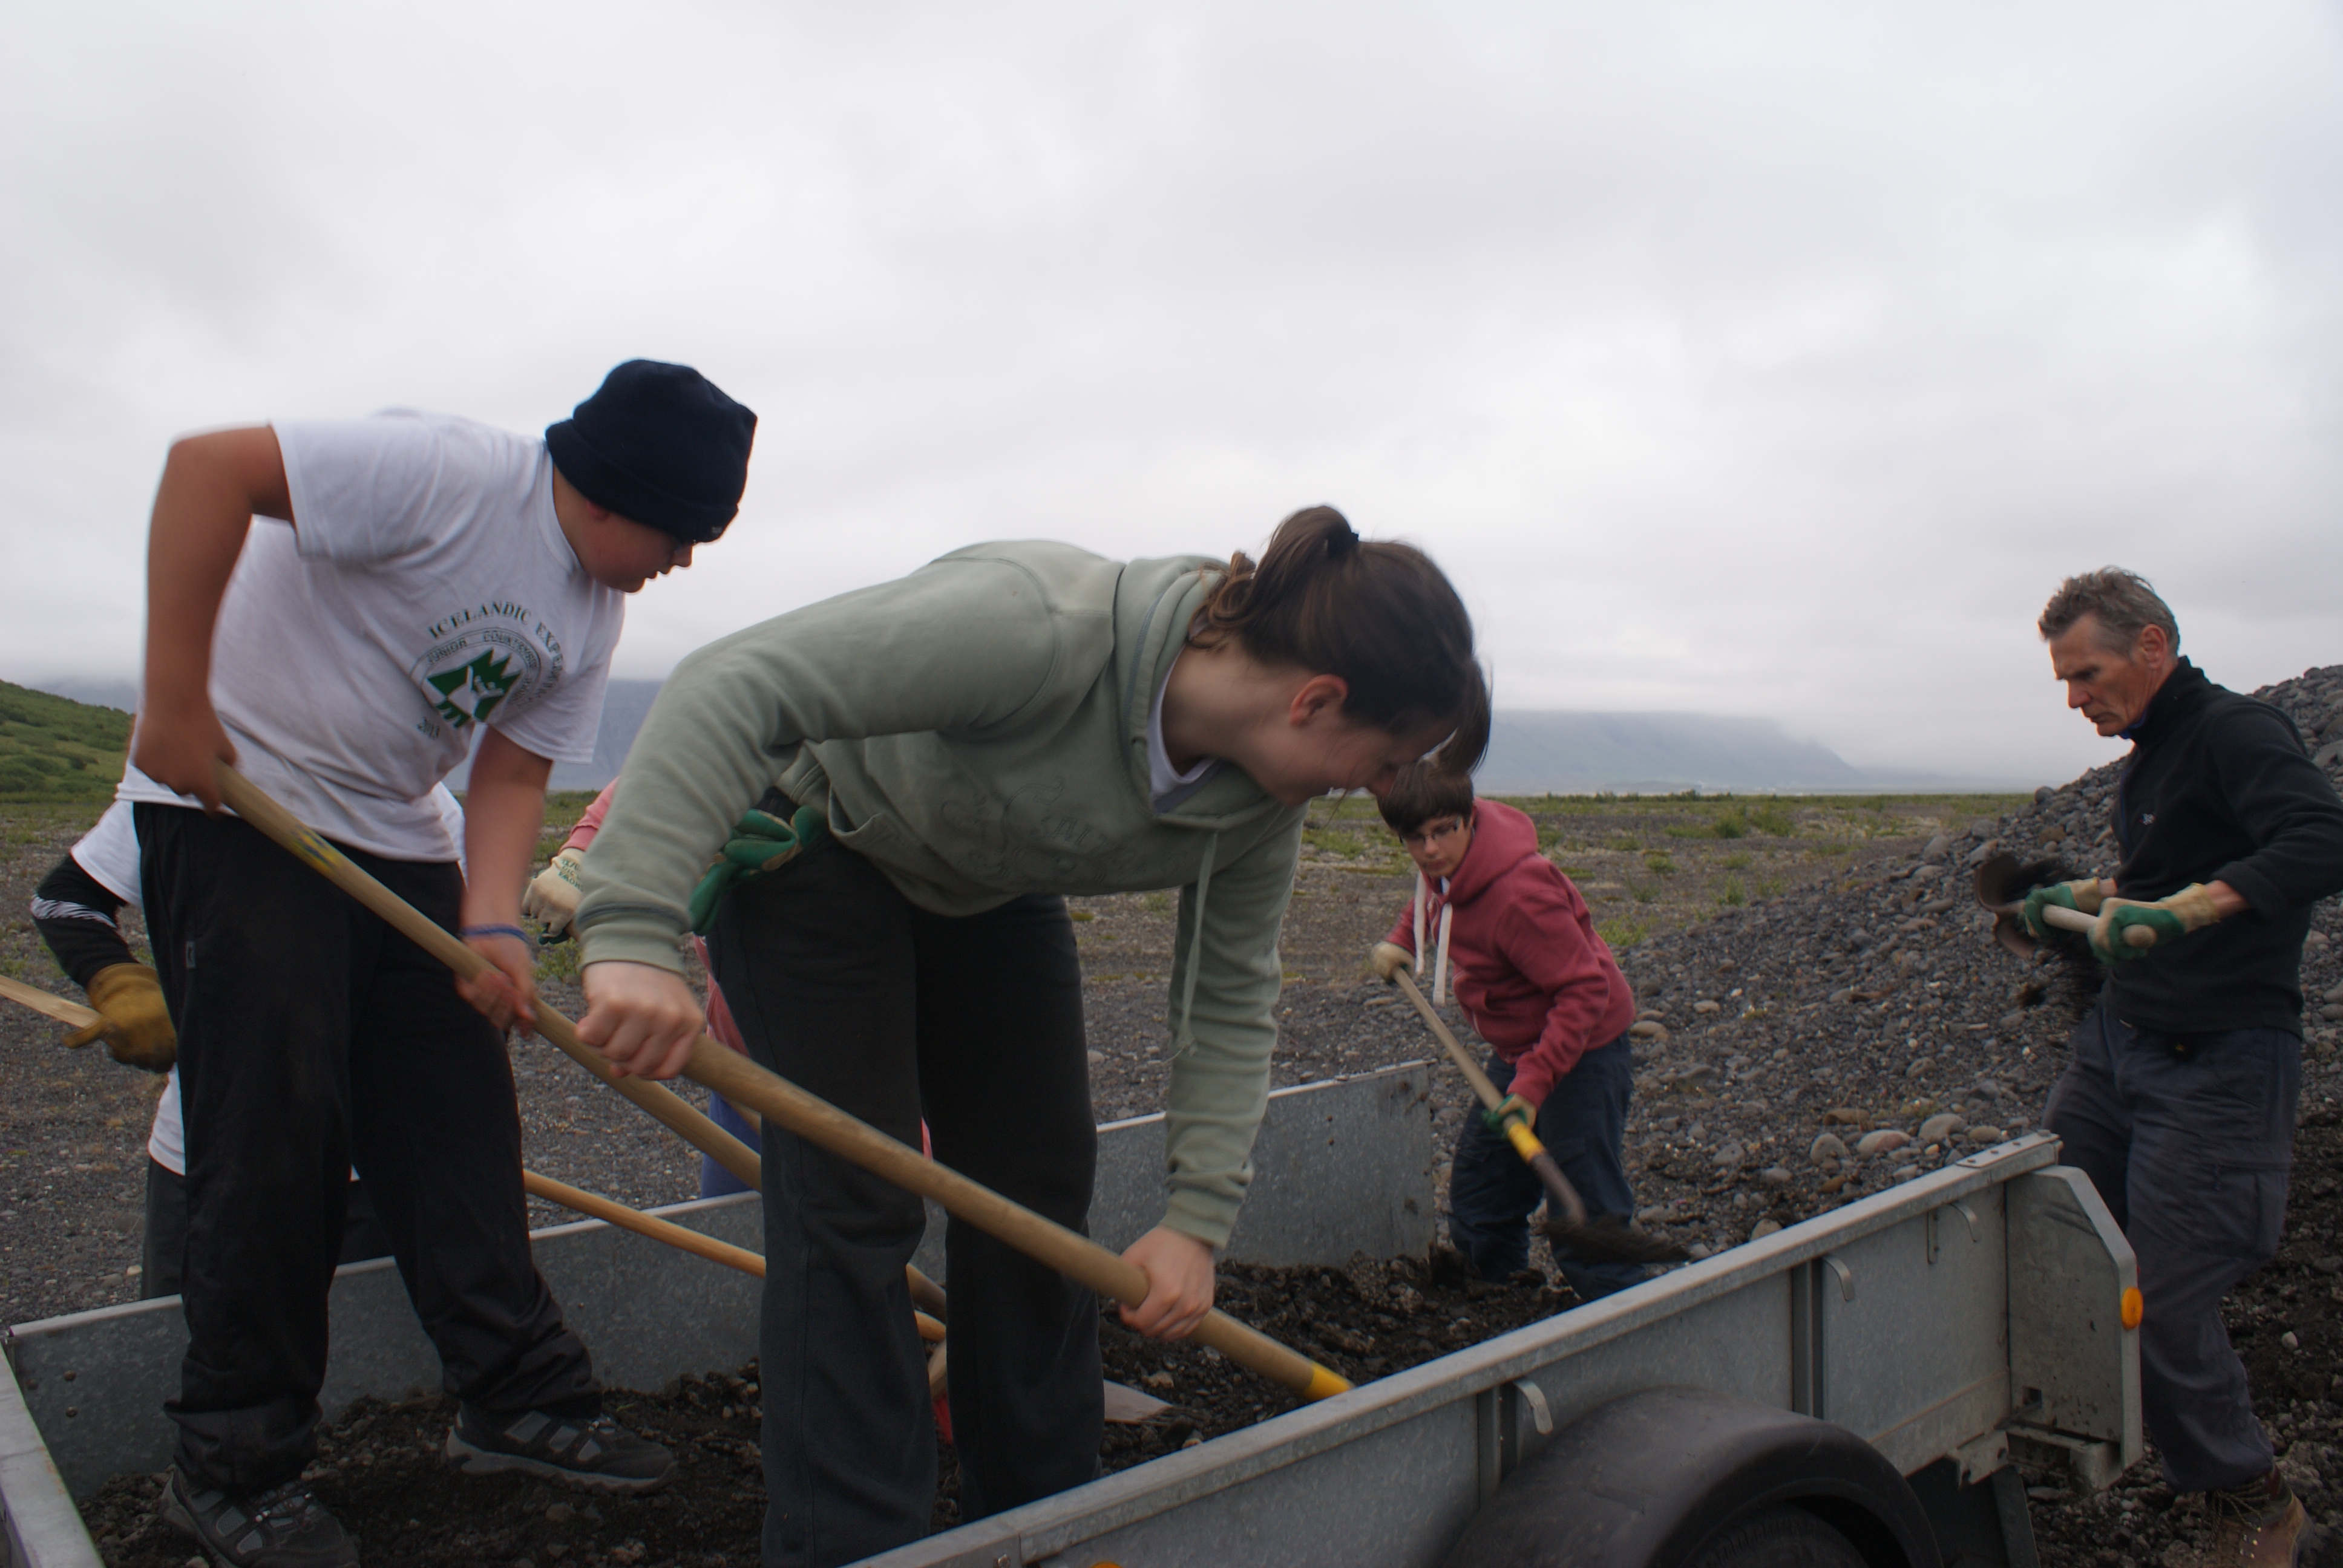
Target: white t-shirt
<point>425,590</point>
<point>110,853</point>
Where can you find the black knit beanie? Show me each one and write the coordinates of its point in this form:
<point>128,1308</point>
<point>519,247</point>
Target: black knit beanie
<point>661,445</point>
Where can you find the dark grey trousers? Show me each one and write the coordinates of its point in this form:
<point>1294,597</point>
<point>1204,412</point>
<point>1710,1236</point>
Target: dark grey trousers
<point>2189,1140</point>
<point>840,985</point>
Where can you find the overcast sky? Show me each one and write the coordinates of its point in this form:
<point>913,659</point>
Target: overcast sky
<point>1763,359</point>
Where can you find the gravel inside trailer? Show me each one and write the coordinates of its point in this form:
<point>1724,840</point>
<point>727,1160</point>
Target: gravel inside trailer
<point>379,1467</point>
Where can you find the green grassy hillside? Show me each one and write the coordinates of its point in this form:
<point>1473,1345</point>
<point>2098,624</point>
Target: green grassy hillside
<point>54,748</point>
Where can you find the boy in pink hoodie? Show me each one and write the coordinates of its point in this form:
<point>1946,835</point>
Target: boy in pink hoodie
<point>552,900</point>
<point>1500,923</point>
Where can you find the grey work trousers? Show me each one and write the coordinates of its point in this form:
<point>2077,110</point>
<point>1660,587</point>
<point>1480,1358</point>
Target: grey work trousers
<point>839,984</point>
<point>2189,1140</point>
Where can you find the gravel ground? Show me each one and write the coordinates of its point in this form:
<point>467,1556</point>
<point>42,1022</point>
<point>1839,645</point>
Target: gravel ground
<point>1824,1015</point>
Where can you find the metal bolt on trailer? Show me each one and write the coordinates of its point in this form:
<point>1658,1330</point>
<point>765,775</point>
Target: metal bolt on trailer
<point>1859,1382</point>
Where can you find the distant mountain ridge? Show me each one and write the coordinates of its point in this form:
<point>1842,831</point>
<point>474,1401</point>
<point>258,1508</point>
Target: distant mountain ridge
<point>1575,753</point>
<point>1530,753</point>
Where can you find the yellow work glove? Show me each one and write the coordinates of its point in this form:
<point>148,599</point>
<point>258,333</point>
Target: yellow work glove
<point>132,1018</point>
<point>2189,909</point>
<point>1388,958</point>
<point>1505,1109</point>
<point>552,898</point>
<point>2085,896</point>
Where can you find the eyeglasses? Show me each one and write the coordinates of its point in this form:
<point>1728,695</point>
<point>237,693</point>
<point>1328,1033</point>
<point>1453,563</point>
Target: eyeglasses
<point>1446,828</point>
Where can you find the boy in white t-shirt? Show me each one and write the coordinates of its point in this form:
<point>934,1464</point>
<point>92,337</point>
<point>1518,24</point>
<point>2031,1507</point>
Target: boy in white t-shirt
<point>425,580</point>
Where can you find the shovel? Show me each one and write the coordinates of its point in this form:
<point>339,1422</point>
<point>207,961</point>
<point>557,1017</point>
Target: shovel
<point>1124,1404</point>
<point>48,1003</point>
<point>2002,884</point>
<point>1598,1240</point>
<point>818,1122</point>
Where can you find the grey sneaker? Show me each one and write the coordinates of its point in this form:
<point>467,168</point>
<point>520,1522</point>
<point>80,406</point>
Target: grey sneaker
<point>283,1527</point>
<point>591,1451</point>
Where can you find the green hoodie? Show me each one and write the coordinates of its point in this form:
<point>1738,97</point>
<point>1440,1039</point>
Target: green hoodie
<point>978,730</point>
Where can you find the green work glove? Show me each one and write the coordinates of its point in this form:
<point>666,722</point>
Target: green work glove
<point>2083,896</point>
<point>1505,1110</point>
<point>2189,909</point>
<point>760,842</point>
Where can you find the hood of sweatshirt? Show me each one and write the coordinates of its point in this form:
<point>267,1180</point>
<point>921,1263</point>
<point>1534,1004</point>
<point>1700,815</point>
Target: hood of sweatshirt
<point>1502,840</point>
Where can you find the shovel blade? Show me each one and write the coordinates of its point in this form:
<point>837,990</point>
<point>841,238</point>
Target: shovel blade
<point>1613,1242</point>
<point>2002,884</point>
<point>1126,1406</point>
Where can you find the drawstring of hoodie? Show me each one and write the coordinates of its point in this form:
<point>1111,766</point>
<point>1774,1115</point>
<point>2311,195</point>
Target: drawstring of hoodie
<point>1184,1035</point>
<point>1447,916</point>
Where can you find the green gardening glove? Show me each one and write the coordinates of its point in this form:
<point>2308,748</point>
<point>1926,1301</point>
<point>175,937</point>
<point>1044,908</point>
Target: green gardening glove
<point>760,842</point>
<point>2083,896</point>
<point>1495,1117</point>
<point>2169,919</point>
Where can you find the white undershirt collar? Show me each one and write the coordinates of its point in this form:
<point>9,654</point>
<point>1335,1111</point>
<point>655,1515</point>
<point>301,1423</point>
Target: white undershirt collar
<point>1166,786</point>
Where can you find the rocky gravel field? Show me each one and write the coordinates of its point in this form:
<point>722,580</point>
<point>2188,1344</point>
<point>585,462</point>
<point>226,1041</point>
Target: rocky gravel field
<point>1824,1014</point>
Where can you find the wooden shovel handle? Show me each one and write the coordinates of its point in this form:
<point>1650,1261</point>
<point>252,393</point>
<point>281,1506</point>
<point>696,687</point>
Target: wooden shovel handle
<point>1490,1098</point>
<point>595,1206</point>
<point>252,803</point>
<point>2068,920</point>
<point>62,1009</point>
<point>1565,1204</point>
<point>742,1082</point>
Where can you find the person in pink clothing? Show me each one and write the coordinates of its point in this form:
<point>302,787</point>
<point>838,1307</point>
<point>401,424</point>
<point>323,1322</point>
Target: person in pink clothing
<point>1499,924</point>
<point>552,899</point>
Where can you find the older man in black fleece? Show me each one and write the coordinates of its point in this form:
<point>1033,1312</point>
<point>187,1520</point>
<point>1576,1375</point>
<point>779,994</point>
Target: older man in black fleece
<point>2179,1099</point>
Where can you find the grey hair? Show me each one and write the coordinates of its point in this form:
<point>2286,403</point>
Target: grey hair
<point>2123,601</point>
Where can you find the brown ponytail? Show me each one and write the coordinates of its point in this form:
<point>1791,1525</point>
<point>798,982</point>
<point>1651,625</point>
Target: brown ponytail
<point>1377,614</point>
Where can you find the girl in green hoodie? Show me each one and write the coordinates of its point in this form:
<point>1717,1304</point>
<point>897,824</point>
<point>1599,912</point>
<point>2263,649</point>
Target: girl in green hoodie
<point>1010,724</point>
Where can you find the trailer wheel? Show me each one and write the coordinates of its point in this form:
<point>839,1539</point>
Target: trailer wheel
<point>1682,1477</point>
<point>1783,1537</point>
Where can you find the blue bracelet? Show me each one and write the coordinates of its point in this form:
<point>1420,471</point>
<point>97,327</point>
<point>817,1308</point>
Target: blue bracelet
<point>515,932</point>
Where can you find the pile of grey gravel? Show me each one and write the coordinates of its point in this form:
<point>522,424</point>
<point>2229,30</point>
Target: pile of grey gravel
<point>1805,1050</point>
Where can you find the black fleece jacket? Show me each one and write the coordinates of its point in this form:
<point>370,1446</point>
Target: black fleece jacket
<point>2220,789</point>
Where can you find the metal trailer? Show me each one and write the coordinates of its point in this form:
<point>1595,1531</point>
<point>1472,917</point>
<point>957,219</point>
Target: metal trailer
<point>1861,1381</point>
<point>1869,1373</point>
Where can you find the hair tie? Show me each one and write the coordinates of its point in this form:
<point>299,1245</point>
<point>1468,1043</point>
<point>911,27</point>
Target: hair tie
<point>1342,544</point>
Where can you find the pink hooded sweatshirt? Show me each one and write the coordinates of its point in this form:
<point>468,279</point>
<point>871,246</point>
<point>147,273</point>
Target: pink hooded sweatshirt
<point>1530,972</point>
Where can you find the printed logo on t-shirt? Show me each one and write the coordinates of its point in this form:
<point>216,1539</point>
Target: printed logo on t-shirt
<point>489,658</point>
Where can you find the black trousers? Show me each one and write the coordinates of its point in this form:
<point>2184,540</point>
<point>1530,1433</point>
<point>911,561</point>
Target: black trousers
<point>839,984</point>
<point>313,1037</point>
<point>167,1229</point>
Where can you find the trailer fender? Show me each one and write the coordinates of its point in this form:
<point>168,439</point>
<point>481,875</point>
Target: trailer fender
<point>1651,1479</point>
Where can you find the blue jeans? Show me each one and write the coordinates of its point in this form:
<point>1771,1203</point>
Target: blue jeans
<point>2189,1140</point>
<point>715,1182</point>
<point>1492,1193</point>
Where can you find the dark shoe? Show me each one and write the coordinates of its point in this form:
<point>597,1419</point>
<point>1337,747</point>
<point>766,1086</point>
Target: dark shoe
<point>283,1527</point>
<point>592,1452</point>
